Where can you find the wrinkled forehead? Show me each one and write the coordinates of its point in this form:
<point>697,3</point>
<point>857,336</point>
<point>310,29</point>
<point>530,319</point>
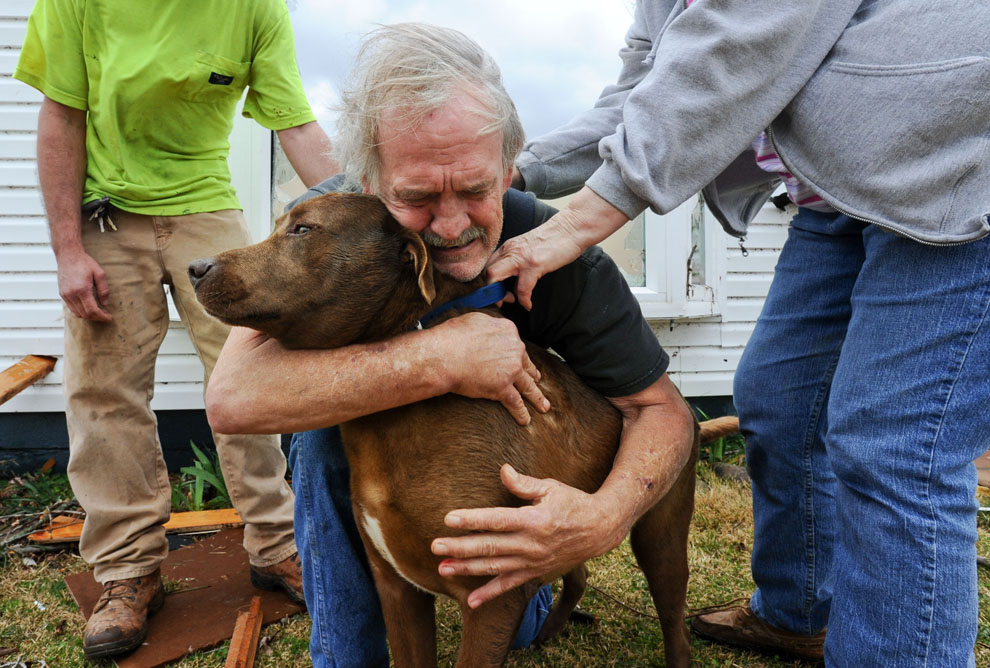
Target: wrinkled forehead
<point>452,141</point>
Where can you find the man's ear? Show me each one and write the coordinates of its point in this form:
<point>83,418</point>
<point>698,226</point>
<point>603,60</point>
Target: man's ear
<point>414,251</point>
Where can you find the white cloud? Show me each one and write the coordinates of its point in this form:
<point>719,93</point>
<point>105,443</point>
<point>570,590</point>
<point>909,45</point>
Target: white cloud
<point>555,55</point>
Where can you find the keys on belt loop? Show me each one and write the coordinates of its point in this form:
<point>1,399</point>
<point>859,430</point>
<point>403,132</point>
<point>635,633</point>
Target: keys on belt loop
<point>99,209</point>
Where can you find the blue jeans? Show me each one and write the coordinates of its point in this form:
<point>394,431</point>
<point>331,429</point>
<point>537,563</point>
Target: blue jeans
<point>863,395</point>
<point>348,627</point>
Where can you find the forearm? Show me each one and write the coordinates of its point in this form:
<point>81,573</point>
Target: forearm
<point>258,386</point>
<point>61,172</point>
<point>657,440</point>
<point>309,152</point>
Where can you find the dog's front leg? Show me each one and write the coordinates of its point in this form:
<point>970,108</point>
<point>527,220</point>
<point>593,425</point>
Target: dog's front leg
<point>659,541</point>
<point>489,630</point>
<point>410,617</point>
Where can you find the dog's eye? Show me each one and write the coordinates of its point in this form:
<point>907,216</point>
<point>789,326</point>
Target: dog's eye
<point>300,229</point>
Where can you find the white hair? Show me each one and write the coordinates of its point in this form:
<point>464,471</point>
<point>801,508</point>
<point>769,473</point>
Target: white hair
<point>415,69</point>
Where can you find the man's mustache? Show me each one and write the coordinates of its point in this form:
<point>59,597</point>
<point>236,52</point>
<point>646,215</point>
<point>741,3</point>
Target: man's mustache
<point>466,237</point>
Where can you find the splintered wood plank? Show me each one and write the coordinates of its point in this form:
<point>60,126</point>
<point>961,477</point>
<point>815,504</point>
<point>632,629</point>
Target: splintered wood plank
<point>23,374</point>
<point>244,643</point>
<point>65,529</point>
<point>983,470</point>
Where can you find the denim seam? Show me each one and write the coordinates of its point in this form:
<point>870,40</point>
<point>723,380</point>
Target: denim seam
<point>931,583</point>
<point>304,492</point>
<point>809,509</point>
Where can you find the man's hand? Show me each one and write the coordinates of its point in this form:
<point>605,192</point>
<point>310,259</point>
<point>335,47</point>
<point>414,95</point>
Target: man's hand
<point>82,284</point>
<point>487,360</point>
<point>562,528</point>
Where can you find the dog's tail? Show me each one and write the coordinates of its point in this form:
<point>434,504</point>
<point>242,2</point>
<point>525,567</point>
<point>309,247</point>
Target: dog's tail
<point>712,430</point>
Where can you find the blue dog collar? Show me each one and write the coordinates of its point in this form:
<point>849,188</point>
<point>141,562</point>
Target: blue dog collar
<point>480,298</point>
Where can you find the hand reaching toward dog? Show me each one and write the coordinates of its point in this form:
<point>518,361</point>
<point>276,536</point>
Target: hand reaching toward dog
<point>488,360</point>
<point>585,221</point>
<point>562,528</point>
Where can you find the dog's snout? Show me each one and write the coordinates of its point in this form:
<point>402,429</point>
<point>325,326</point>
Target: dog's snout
<point>198,269</point>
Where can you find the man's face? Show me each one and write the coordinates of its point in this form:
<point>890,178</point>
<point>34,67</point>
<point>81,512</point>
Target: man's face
<point>445,181</point>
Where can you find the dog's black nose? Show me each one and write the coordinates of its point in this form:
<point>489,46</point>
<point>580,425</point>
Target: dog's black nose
<point>198,269</point>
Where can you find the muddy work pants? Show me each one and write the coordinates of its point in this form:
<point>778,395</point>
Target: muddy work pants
<point>115,458</point>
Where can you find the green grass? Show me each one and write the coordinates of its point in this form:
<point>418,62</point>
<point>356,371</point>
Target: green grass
<point>626,635</point>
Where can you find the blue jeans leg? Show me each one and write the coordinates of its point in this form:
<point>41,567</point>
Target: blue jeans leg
<point>348,627</point>
<point>781,390</point>
<point>863,415</point>
<point>907,417</point>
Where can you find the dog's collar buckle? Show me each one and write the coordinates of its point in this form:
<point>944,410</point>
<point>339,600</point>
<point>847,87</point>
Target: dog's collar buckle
<point>480,298</point>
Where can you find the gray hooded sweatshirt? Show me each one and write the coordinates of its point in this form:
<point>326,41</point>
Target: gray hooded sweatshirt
<point>881,106</point>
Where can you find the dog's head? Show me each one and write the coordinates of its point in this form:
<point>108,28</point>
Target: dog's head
<point>328,276</point>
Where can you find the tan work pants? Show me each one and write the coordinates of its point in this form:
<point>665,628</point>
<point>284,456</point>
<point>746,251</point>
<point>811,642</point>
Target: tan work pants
<point>115,459</point>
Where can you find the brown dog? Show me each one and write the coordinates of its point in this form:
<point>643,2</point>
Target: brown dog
<point>339,270</point>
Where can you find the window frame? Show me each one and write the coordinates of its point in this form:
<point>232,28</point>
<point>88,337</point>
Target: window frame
<point>668,292</point>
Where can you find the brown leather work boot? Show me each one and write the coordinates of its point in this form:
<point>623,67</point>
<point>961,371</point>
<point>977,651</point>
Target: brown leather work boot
<point>285,575</point>
<point>119,620</point>
<point>740,627</point>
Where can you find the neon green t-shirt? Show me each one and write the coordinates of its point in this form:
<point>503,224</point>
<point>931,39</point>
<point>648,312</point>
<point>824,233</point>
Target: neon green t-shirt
<point>161,82</point>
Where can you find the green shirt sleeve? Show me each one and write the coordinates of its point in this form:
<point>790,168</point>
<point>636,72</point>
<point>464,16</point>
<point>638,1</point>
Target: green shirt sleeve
<point>52,58</point>
<point>275,97</point>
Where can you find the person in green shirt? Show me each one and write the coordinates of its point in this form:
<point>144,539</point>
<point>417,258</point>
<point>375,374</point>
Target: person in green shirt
<point>132,158</point>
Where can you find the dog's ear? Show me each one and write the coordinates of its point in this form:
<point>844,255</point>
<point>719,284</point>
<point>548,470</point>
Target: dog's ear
<point>414,251</point>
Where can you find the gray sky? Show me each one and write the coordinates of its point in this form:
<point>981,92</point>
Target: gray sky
<point>555,55</point>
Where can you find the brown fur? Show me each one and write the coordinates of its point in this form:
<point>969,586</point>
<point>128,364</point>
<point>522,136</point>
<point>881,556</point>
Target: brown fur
<point>358,276</point>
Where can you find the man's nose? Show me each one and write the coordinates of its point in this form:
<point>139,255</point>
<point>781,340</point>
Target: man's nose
<point>450,218</point>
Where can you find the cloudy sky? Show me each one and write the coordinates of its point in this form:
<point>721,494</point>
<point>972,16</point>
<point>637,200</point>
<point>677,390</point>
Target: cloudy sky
<point>555,55</point>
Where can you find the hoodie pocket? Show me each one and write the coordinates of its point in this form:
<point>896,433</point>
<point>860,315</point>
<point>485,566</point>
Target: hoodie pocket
<point>906,135</point>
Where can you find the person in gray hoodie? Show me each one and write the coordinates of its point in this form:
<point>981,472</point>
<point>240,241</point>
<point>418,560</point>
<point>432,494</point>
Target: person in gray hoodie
<point>863,391</point>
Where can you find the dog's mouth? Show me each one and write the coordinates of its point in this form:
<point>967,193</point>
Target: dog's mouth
<point>233,311</point>
<point>253,318</point>
<point>244,318</point>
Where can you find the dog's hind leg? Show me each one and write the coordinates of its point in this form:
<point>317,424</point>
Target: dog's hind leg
<point>575,582</point>
<point>659,541</point>
<point>489,630</point>
<point>410,617</point>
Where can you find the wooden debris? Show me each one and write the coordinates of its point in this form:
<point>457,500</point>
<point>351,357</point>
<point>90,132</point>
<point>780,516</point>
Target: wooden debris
<point>66,529</point>
<point>244,643</point>
<point>23,374</point>
<point>983,470</point>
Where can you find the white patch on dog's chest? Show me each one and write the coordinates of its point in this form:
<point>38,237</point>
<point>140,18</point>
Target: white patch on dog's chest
<point>373,528</point>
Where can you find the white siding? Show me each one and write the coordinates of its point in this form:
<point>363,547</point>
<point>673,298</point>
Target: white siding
<point>30,309</point>
<point>704,353</point>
